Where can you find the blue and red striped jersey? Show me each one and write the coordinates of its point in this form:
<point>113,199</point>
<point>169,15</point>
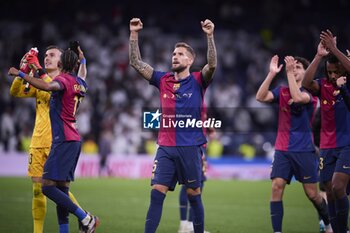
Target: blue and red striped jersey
<point>182,103</point>
<point>294,122</point>
<point>335,117</point>
<point>63,106</point>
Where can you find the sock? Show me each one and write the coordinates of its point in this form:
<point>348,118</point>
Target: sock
<point>276,211</point>
<point>38,208</point>
<point>62,212</point>
<point>332,215</point>
<point>322,211</point>
<point>64,228</point>
<point>191,215</point>
<point>154,211</point>
<point>60,198</point>
<point>342,208</point>
<point>183,203</point>
<point>198,213</point>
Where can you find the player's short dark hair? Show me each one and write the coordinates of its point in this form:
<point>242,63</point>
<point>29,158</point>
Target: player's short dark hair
<point>54,47</point>
<point>69,61</point>
<point>187,47</point>
<point>332,59</point>
<point>303,61</point>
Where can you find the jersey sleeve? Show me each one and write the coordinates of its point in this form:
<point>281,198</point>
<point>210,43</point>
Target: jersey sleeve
<point>200,79</point>
<point>276,94</point>
<point>18,89</point>
<point>61,81</point>
<point>155,79</point>
<point>310,95</point>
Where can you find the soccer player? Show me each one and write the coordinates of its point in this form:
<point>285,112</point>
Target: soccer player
<point>335,127</point>
<point>68,91</point>
<point>178,158</point>
<point>41,138</point>
<point>295,150</point>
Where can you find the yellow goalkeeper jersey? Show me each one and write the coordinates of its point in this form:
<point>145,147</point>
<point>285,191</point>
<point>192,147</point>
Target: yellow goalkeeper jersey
<point>42,129</point>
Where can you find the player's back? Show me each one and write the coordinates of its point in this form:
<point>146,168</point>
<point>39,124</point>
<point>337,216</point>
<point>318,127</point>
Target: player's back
<point>63,107</point>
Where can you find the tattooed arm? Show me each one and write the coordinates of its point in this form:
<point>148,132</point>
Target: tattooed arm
<point>208,70</point>
<point>134,51</point>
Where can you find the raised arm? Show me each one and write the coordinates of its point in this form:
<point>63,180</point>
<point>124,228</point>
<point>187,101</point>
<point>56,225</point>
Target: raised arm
<point>297,95</point>
<point>264,94</point>
<point>82,72</point>
<point>308,81</point>
<point>36,82</point>
<point>134,51</point>
<point>330,43</point>
<point>208,70</point>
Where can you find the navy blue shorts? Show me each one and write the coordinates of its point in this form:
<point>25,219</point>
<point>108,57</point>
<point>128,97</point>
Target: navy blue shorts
<point>334,160</point>
<point>62,161</point>
<point>303,165</point>
<point>181,164</point>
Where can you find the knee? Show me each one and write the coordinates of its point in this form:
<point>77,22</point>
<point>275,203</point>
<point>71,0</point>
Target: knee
<point>338,190</point>
<point>193,192</point>
<point>37,192</point>
<point>314,196</point>
<point>45,190</point>
<point>277,189</point>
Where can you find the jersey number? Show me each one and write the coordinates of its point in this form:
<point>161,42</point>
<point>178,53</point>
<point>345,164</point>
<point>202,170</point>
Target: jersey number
<point>77,100</point>
<point>321,164</point>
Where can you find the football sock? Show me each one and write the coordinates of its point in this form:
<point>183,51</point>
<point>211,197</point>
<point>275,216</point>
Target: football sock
<point>198,212</point>
<point>62,212</point>
<point>342,207</point>
<point>183,203</point>
<point>276,211</point>
<point>38,208</point>
<point>60,198</point>
<point>190,215</point>
<point>332,215</point>
<point>322,211</point>
<point>74,200</point>
<point>64,228</point>
<point>154,211</point>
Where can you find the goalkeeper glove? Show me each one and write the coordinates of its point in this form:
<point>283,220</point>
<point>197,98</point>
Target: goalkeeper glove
<point>33,62</point>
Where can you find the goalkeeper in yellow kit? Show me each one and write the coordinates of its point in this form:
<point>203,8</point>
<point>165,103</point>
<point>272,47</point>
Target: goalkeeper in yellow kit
<point>41,138</point>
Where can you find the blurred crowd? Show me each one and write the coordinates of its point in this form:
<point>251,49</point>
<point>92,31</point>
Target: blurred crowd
<point>247,34</point>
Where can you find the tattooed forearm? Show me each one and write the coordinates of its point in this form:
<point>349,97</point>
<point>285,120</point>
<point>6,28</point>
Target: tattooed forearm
<point>134,52</point>
<point>135,60</point>
<point>211,56</point>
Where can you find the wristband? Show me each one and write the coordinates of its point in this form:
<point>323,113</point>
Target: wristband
<point>21,74</point>
<point>83,61</point>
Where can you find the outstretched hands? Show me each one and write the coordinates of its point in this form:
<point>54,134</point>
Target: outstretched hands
<point>274,67</point>
<point>328,40</point>
<point>135,25</point>
<point>208,27</point>
<point>322,50</point>
<point>290,64</point>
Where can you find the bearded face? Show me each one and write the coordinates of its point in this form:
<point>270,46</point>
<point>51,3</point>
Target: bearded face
<point>181,60</point>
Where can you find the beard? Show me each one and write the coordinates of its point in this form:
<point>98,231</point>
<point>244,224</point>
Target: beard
<point>178,69</point>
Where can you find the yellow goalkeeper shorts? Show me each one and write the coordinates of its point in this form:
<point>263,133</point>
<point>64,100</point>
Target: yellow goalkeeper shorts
<point>36,161</point>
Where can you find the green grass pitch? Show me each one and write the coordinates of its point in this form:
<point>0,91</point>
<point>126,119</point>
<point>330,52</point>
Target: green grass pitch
<point>230,206</point>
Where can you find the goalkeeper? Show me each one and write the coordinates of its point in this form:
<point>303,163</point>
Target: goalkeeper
<point>41,138</point>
